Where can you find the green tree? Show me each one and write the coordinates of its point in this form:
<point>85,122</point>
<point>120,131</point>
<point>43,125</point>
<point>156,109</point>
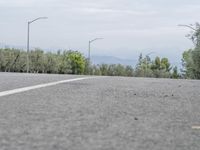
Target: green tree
<point>161,68</point>
<point>140,67</point>
<point>36,61</point>
<point>63,63</point>
<point>95,70</point>
<point>104,69</point>
<point>175,74</point>
<point>50,63</point>
<point>89,68</point>
<point>191,58</point>
<point>194,35</point>
<point>77,62</point>
<point>196,62</point>
<point>165,64</point>
<point>188,65</point>
<point>129,71</point>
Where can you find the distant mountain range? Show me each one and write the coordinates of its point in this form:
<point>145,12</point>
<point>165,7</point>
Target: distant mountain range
<point>98,59</point>
<point>3,45</point>
<point>112,60</point>
<point>95,59</point>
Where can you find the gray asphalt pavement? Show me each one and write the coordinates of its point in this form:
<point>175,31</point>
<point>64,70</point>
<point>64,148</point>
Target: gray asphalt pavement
<point>10,81</point>
<point>103,113</point>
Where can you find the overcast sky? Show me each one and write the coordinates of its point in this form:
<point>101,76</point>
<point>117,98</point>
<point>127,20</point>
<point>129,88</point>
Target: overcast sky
<point>127,26</point>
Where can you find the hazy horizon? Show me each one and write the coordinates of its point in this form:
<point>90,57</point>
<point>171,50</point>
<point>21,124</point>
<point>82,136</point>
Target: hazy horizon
<point>128,27</point>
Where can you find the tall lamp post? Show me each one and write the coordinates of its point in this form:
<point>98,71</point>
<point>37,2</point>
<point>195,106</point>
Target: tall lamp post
<point>89,48</point>
<point>190,26</point>
<point>28,39</point>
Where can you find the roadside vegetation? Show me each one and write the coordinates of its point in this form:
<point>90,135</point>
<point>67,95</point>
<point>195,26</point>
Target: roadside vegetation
<point>191,57</point>
<point>74,62</point>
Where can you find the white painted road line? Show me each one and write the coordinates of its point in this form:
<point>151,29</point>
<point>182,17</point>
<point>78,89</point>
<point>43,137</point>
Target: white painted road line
<point>24,89</point>
<point>196,127</point>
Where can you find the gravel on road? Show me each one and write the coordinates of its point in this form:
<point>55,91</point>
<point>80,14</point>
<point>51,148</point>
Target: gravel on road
<point>105,113</point>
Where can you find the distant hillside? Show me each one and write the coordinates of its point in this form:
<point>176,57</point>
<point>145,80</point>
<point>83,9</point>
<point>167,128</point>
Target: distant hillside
<point>3,45</point>
<point>112,60</point>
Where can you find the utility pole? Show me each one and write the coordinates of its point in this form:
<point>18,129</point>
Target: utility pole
<point>28,41</point>
<point>89,47</point>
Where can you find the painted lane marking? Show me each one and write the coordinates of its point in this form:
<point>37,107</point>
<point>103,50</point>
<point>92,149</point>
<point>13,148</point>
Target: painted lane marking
<point>196,127</point>
<point>24,89</point>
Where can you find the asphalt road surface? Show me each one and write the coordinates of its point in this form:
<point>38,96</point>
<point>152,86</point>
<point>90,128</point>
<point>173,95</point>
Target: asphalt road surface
<point>100,113</point>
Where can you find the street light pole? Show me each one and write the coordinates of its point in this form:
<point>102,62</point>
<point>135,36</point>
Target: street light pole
<point>188,26</point>
<point>27,61</point>
<point>89,47</point>
<point>28,40</point>
<point>195,30</point>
